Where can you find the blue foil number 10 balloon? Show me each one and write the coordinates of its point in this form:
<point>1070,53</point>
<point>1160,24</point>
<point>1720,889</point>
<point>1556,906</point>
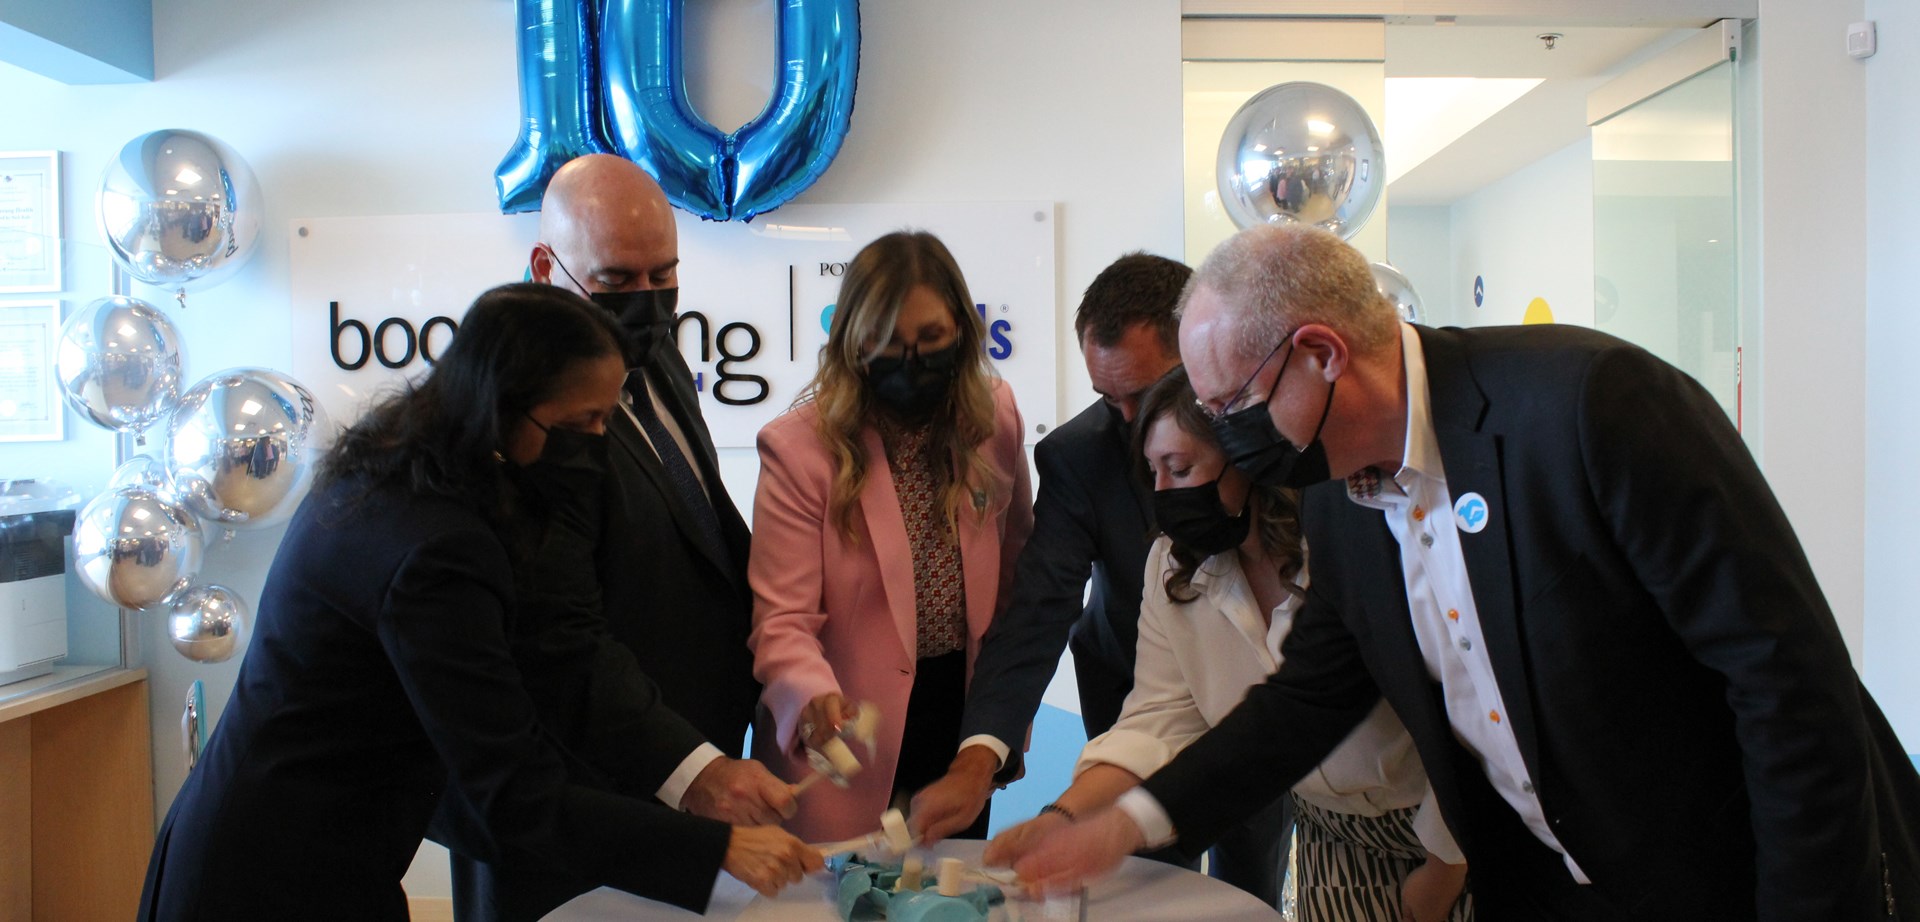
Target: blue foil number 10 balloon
<point>605,76</point>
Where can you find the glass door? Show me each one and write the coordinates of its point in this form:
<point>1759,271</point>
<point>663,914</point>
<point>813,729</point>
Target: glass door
<point>1666,227</point>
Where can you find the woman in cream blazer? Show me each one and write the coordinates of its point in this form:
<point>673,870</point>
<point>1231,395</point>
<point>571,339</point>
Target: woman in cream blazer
<point>1222,586</point>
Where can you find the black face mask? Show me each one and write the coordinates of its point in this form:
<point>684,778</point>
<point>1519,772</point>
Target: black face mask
<point>646,316</point>
<point>566,479</point>
<point>1258,449</point>
<point>914,385</point>
<point>1195,519</point>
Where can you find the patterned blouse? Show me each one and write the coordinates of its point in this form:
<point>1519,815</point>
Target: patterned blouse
<point>939,585</point>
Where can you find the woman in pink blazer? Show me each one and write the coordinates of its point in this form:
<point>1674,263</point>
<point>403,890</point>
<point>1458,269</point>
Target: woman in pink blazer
<point>893,500</point>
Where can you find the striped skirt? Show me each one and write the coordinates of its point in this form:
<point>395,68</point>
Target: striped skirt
<point>1348,868</point>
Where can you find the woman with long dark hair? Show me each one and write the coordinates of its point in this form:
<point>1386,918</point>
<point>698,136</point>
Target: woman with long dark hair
<point>893,500</point>
<point>380,679</point>
<point>1223,583</point>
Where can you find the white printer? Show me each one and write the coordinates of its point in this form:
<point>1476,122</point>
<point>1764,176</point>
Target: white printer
<point>36,517</point>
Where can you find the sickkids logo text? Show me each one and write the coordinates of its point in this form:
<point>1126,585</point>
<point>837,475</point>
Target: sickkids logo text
<point>999,329</point>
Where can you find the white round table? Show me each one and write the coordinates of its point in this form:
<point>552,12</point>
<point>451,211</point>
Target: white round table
<point>1138,891</point>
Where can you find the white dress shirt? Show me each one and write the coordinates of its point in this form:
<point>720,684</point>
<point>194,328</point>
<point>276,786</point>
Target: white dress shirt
<point>1195,661</point>
<point>1419,512</point>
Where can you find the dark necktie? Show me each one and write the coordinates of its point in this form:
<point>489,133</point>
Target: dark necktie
<point>679,470</point>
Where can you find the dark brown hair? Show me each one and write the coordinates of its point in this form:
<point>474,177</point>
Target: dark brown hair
<point>1137,288</point>
<point>1276,510</point>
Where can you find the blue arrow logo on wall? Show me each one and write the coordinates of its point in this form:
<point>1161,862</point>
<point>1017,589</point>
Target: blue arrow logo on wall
<point>1479,291</point>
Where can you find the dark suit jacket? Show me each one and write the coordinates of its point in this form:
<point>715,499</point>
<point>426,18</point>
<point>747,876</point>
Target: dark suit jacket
<point>379,676</point>
<point>1682,698</point>
<point>1092,515</point>
<point>684,608</point>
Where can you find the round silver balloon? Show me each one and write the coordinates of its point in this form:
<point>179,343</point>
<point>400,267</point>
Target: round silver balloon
<point>133,548</point>
<point>146,472</point>
<point>180,209</point>
<point>243,447</point>
<point>1301,152</point>
<point>119,363</point>
<point>1395,287</point>
<point>206,622</point>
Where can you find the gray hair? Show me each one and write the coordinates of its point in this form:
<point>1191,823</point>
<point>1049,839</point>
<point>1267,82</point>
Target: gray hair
<point>1275,278</point>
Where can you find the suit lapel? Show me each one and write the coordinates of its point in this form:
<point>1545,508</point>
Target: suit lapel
<point>1472,459</point>
<point>887,529</point>
<point>630,439</point>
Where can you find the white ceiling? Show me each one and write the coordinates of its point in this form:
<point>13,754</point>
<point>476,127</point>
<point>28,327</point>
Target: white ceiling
<point>1544,119</point>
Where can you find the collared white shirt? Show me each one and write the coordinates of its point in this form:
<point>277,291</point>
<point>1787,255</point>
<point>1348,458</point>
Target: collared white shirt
<point>1419,511</point>
<point>1446,622</point>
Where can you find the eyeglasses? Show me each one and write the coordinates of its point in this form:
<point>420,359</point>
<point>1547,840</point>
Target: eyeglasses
<point>1241,399</point>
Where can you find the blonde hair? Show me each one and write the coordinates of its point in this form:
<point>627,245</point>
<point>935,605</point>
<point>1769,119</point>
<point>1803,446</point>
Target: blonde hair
<point>1275,278</point>
<point>871,293</point>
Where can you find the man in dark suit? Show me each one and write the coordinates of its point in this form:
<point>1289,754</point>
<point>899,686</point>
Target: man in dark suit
<point>675,558</point>
<point>1092,516</point>
<point>671,553</point>
<point>1553,555</point>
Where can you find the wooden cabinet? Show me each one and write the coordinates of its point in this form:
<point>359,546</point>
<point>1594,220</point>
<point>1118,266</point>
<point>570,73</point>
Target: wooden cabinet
<point>76,795</point>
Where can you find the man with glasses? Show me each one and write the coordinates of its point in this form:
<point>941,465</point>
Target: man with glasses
<point>671,558</point>
<point>1552,554</point>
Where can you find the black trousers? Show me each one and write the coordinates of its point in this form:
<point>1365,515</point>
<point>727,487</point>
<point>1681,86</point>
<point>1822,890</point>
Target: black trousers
<point>932,734</point>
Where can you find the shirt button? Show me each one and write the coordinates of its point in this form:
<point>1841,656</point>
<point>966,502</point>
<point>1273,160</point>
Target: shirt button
<point>1426,540</point>
<point>1493,716</point>
<point>1526,786</point>
<point>1466,644</point>
<point>1419,513</point>
<point>1453,614</point>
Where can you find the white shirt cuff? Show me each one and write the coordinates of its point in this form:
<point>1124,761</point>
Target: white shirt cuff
<point>1147,814</point>
<point>992,743</point>
<point>1431,829</point>
<point>690,768</point>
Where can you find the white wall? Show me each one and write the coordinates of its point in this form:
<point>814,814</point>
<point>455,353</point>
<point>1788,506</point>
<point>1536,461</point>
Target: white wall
<point>1813,253</point>
<point>1892,630</point>
<point>364,107</point>
<point>1420,245</point>
<point>1529,236</point>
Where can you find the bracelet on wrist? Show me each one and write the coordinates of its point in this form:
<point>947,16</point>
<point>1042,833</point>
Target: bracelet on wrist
<point>1056,808</point>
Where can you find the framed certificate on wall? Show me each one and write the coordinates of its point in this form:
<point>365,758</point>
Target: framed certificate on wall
<point>30,247</point>
<point>30,405</point>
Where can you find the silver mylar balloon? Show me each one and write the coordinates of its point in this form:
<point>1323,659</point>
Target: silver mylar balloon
<point>243,447</point>
<point>206,622</point>
<point>180,209</point>
<point>1301,152</point>
<point>132,547</point>
<point>119,363</point>
<point>146,472</point>
<point>1393,284</point>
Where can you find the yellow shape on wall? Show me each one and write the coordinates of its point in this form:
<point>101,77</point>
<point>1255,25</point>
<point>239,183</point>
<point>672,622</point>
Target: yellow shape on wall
<point>1538,312</point>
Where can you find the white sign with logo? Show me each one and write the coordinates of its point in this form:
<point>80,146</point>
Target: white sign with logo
<point>377,298</point>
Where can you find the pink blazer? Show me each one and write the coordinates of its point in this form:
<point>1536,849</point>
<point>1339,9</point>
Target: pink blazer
<point>831,615</point>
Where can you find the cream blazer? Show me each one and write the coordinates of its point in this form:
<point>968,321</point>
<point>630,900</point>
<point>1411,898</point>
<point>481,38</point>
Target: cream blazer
<point>1194,663</point>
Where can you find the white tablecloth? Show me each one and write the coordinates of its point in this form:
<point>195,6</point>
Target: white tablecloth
<point>1138,891</point>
